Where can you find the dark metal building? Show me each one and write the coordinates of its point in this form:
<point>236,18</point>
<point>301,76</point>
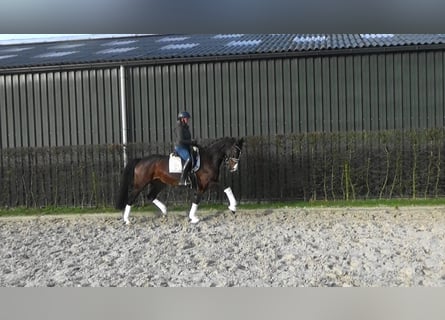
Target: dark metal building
<point>58,94</point>
<point>129,90</point>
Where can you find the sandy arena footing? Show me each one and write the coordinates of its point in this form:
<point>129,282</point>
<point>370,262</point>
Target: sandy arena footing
<point>254,248</point>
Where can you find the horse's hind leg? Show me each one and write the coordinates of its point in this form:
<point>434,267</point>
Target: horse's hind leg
<point>131,198</point>
<point>161,206</point>
<point>154,188</point>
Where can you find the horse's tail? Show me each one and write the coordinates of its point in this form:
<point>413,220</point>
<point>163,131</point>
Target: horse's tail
<point>126,181</point>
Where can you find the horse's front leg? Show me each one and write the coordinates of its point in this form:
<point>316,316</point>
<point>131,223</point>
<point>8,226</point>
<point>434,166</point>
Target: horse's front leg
<point>192,215</point>
<point>232,200</point>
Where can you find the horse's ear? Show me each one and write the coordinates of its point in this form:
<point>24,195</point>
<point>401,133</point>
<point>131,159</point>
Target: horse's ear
<point>240,142</point>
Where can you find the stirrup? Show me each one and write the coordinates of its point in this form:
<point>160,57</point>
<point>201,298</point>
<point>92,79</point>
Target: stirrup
<point>184,182</point>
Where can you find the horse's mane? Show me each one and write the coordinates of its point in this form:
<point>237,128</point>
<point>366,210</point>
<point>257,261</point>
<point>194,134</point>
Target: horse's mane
<point>220,143</point>
<point>216,149</point>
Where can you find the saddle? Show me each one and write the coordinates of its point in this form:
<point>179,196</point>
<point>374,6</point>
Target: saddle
<point>175,163</point>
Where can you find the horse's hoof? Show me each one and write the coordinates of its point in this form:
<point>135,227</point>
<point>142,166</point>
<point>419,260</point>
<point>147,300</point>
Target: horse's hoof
<point>232,208</point>
<point>127,222</point>
<point>194,220</point>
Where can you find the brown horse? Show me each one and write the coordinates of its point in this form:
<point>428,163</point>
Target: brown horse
<point>153,172</point>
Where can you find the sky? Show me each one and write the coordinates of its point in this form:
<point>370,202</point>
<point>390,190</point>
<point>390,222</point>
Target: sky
<point>33,38</point>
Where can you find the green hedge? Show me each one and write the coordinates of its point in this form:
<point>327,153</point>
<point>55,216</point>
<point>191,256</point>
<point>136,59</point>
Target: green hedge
<point>332,166</point>
<point>314,166</point>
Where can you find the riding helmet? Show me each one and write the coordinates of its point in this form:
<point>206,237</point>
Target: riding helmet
<point>183,114</point>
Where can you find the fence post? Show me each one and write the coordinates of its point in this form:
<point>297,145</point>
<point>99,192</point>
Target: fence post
<point>123,113</point>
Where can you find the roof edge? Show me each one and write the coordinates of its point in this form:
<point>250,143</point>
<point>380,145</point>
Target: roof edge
<point>229,57</point>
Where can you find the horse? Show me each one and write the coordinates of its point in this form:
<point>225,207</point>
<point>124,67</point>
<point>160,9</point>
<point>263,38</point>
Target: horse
<point>153,172</point>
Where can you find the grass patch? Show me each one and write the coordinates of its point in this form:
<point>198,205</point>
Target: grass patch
<point>347,203</point>
<point>20,211</point>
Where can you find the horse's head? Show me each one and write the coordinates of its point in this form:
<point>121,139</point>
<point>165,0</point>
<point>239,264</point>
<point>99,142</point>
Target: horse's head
<point>233,154</point>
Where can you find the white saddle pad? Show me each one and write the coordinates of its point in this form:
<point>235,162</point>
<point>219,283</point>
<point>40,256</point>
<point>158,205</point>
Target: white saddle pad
<point>174,164</point>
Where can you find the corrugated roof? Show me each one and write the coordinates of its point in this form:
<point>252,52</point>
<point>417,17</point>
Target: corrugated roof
<point>118,50</point>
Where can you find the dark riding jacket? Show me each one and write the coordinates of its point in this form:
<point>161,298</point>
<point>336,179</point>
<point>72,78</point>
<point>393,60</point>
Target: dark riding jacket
<point>183,135</point>
<point>183,141</point>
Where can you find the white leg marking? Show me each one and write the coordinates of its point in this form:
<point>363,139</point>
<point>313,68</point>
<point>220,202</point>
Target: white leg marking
<point>127,214</point>
<point>232,200</point>
<point>192,214</point>
<point>160,205</point>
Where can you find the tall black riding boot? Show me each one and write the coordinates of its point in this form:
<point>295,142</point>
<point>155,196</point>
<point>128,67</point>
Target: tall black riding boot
<point>185,172</point>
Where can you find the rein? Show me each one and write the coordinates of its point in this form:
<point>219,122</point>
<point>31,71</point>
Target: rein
<point>220,146</point>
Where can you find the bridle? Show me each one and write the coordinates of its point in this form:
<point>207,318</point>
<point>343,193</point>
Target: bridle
<point>235,160</point>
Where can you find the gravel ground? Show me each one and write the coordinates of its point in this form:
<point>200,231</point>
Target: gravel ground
<point>254,248</point>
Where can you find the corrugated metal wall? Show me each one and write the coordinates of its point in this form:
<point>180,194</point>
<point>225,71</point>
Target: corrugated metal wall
<point>59,108</point>
<point>267,97</point>
<point>238,98</point>
<point>56,129</point>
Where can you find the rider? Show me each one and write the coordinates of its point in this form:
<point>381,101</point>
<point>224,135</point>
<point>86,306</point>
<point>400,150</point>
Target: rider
<point>183,144</point>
